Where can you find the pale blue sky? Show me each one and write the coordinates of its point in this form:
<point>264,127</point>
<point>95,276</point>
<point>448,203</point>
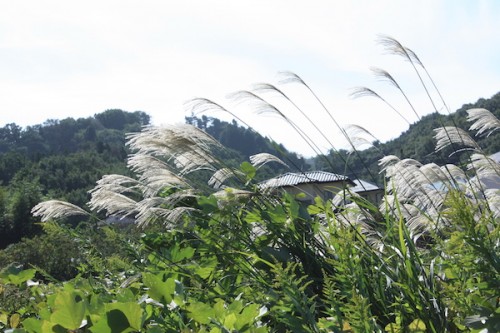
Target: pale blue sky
<point>66,59</point>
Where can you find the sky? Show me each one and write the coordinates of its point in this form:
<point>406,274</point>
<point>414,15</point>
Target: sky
<point>62,59</point>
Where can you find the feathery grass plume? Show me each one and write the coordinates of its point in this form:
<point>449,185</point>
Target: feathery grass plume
<point>170,217</point>
<point>111,202</point>
<point>221,175</point>
<point>451,135</point>
<point>56,209</point>
<point>167,141</point>
<point>395,47</point>
<point>358,134</point>
<point>484,121</point>
<point>358,92</point>
<point>167,202</point>
<point>492,197</point>
<point>289,77</point>
<point>261,106</point>
<point>260,159</point>
<point>266,87</point>
<point>414,184</point>
<point>200,105</point>
<point>156,180</point>
<point>387,162</point>
<point>187,146</point>
<point>120,184</point>
<point>194,160</point>
<point>484,166</point>
<point>455,174</point>
<point>141,163</point>
<point>383,74</point>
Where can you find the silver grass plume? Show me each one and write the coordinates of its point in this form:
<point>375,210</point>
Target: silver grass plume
<point>484,121</point>
<point>154,174</point>
<point>492,197</point>
<point>202,105</point>
<point>260,105</point>
<point>221,175</point>
<point>111,202</point>
<point>146,208</point>
<point>386,162</point>
<point>56,209</point>
<point>120,184</point>
<point>358,92</point>
<point>171,217</point>
<point>261,159</point>
<point>358,136</point>
<point>193,160</point>
<point>290,77</point>
<point>156,180</point>
<point>484,166</point>
<point>393,46</point>
<point>384,75</point>
<point>141,163</point>
<point>167,141</point>
<point>451,135</point>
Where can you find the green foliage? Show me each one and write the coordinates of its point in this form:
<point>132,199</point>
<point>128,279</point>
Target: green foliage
<point>16,220</point>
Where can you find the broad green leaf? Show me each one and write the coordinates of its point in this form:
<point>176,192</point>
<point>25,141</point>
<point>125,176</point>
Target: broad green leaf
<point>159,290</point>
<point>248,169</point>
<point>14,320</point>
<point>208,204</point>
<point>229,321</point>
<point>16,275</point>
<point>68,312</point>
<point>32,325</point>
<point>4,319</point>
<point>247,316</point>
<point>236,306</point>
<point>177,254</point>
<point>132,311</point>
<point>201,312</point>
<point>220,309</point>
<point>417,326</point>
<point>49,327</point>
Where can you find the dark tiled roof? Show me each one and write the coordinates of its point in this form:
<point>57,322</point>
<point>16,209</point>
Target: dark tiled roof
<point>293,179</point>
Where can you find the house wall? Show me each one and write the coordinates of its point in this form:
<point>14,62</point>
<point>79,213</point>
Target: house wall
<point>374,197</point>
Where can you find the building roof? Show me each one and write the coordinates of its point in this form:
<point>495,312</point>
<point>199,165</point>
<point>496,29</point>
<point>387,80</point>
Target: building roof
<point>309,177</point>
<point>364,186</point>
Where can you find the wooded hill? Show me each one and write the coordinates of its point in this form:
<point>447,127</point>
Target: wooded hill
<point>62,159</point>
